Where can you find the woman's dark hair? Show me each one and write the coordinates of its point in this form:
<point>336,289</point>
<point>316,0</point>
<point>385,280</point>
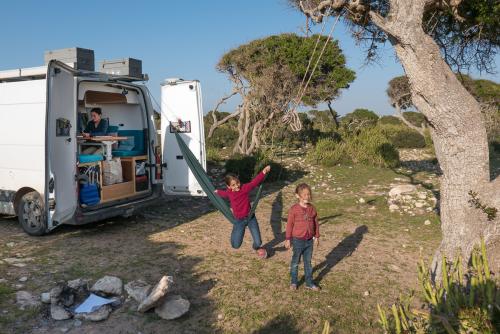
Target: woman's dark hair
<point>98,111</point>
<point>230,177</point>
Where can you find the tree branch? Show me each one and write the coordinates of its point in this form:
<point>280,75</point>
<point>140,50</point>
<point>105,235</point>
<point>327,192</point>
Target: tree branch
<point>400,115</point>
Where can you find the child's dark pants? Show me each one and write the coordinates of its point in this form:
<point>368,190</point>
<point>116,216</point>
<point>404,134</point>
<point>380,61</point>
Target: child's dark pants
<point>239,232</point>
<point>304,248</point>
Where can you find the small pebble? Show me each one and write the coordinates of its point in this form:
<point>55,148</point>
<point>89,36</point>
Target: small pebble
<point>427,222</point>
<point>23,279</point>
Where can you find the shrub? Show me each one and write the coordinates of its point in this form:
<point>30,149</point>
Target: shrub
<point>403,137</point>
<point>213,154</point>
<point>414,118</point>
<point>247,167</point>
<point>359,119</point>
<point>392,120</point>
<point>462,303</point>
<point>496,146</point>
<point>371,147</point>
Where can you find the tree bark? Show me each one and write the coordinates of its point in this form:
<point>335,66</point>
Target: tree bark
<point>457,129</point>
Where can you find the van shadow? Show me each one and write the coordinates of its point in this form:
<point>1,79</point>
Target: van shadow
<point>344,249</point>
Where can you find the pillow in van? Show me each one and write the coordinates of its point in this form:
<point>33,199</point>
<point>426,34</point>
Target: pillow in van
<point>127,145</point>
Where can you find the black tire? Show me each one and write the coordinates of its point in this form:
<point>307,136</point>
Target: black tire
<point>31,214</point>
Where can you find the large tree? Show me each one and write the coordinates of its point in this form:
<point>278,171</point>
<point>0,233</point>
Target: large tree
<point>428,36</point>
<point>268,73</point>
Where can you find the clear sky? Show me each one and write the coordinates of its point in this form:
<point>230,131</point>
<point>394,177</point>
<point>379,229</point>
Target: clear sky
<point>183,39</point>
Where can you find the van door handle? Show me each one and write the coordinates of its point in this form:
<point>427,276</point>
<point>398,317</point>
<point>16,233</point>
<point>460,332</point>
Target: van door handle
<point>68,140</point>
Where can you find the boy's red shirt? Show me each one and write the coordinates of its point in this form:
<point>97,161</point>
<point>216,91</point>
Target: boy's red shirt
<point>240,200</point>
<point>302,222</point>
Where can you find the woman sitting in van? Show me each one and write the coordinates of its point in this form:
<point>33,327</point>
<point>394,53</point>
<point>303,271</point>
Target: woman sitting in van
<point>96,126</point>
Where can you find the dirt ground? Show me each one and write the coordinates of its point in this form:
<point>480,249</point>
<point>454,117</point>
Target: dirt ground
<point>367,255</point>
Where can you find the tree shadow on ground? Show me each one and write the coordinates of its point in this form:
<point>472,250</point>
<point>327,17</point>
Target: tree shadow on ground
<point>282,324</point>
<point>344,249</point>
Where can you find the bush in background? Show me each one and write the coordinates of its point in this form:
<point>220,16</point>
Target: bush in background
<point>247,167</point>
<point>213,154</point>
<point>392,120</point>
<point>402,136</point>
<point>414,118</point>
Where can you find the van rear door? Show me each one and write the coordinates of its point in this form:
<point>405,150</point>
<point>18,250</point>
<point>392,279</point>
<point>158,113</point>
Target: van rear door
<point>61,185</point>
<point>181,109</point>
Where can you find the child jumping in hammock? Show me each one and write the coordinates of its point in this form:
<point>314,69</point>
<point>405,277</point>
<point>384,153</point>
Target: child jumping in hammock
<point>239,199</point>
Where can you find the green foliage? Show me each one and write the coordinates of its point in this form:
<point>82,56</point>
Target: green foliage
<point>324,120</point>
<point>460,303</point>
<point>247,167</point>
<point>358,119</point>
<point>213,154</point>
<point>403,137</point>
<point>414,118</point>
<point>292,53</point>
<point>368,147</point>
<point>392,120</point>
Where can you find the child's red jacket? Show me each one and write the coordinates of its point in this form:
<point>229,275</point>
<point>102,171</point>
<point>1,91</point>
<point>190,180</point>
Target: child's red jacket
<point>302,222</point>
<point>240,200</point>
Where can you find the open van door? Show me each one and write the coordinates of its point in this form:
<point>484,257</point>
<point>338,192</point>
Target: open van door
<point>181,109</point>
<point>61,185</point>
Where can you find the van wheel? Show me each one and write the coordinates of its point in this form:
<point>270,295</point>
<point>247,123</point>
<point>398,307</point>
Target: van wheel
<point>31,214</point>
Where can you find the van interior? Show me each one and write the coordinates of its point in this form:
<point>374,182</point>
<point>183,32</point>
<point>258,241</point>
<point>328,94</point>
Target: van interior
<point>112,167</point>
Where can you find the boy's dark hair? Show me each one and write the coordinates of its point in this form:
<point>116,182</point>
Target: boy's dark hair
<point>301,187</point>
<point>98,111</point>
<point>230,177</point>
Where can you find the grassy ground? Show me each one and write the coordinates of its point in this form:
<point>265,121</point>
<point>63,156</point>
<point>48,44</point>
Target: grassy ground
<point>367,255</point>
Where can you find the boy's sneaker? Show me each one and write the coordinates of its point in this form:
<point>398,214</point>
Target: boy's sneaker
<point>293,287</point>
<point>262,253</point>
<point>313,287</point>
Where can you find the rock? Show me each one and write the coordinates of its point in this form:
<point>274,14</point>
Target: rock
<point>427,222</point>
<point>59,313</point>
<point>156,294</point>
<point>394,267</point>
<point>64,329</point>
<point>78,283</point>
<point>10,244</point>
<point>419,204</point>
<point>361,200</point>
<point>173,307</point>
<point>18,262</point>
<point>25,299</point>
<point>393,207</point>
<point>366,293</point>
<point>109,285</point>
<point>422,195</point>
<point>18,286</point>
<point>101,314</point>
<point>3,280</point>
<point>138,290</point>
<point>220,316</point>
<point>402,189</point>
<point>45,297</point>
<point>23,279</point>
<point>77,323</point>
<point>55,293</point>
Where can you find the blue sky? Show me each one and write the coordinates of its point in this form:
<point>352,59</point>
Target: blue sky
<point>178,39</point>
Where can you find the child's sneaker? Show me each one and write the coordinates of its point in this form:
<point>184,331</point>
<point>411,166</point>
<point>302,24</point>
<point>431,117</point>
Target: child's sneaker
<point>293,287</point>
<point>313,287</point>
<point>262,253</point>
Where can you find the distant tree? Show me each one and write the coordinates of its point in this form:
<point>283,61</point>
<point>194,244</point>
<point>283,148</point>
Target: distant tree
<point>430,37</point>
<point>359,119</point>
<point>400,97</point>
<point>267,74</point>
<point>324,120</point>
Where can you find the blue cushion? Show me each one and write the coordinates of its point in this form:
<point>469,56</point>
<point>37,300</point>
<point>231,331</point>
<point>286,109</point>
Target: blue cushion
<point>139,143</point>
<point>83,158</point>
<point>127,145</point>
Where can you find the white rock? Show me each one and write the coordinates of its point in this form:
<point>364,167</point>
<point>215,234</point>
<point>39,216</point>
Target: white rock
<point>10,244</point>
<point>366,293</point>
<point>25,299</point>
<point>156,294</point>
<point>361,200</point>
<point>77,283</point>
<point>59,313</point>
<point>23,279</point>
<point>173,307</point>
<point>402,189</point>
<point>427,222</point>
<point>110,285</point>
<point>220,316</point>
<point>422,195</point>
<point>139,290</point>
<point>393,207</point>
<point>419,204</point>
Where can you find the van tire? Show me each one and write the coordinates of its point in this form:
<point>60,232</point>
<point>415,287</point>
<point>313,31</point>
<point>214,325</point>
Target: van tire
<point>31,214</point>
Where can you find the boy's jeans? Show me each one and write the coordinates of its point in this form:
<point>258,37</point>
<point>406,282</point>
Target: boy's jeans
<point>304,248</point>
<point>239,232</point>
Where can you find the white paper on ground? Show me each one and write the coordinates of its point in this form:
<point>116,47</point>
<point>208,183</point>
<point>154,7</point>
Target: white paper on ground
<point>92,303</point>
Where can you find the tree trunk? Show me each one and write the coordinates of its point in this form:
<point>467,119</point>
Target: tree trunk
<point>457,129</point>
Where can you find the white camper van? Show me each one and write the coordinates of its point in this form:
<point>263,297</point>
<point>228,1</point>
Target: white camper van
<point>44,166</point>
